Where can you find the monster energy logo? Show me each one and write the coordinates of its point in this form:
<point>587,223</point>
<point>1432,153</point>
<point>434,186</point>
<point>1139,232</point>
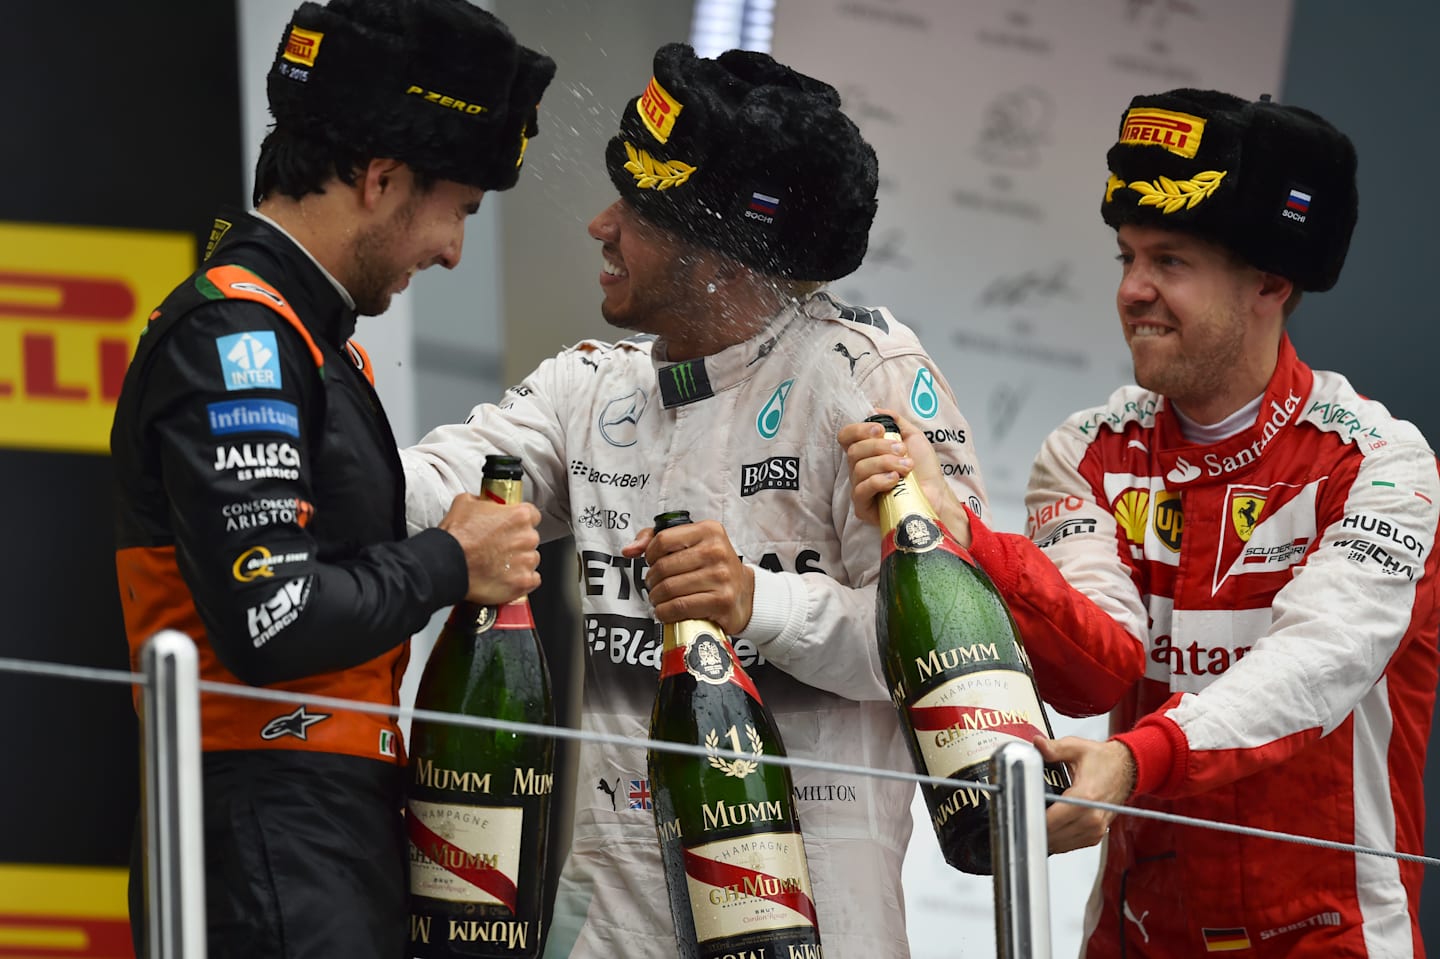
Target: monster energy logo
<point>684,382</point>
<point>683,376</point>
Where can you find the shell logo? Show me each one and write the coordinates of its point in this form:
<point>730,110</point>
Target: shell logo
<point>1132,513</point>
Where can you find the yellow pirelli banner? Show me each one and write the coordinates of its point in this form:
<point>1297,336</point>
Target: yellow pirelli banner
<point>73,301</point>
<point>63,912</point>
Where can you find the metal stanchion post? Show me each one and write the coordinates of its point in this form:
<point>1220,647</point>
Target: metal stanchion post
<point>175,850</point>
<point>1017,838</point>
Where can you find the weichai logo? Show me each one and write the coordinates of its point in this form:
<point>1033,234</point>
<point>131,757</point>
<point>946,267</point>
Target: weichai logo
<point>73,302</point>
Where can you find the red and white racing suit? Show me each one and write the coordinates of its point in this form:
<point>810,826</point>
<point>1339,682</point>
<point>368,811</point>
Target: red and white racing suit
<point>612,435</point>
<point>1260,615</point>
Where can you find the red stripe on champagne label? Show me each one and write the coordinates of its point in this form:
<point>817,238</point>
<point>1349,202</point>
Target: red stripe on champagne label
<point>458,862</point>
<point>754,883</point>
<point>514,615</point>
<point>964,719</point>
<point>914,539</point>
<point>673,663</point>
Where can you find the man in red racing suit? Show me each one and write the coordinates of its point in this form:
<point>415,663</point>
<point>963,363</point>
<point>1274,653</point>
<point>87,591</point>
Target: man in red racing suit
<point>1236,558</point>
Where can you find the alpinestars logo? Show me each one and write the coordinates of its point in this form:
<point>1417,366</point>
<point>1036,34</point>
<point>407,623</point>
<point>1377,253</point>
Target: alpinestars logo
<point>292,724</point>
<point>778,472</point>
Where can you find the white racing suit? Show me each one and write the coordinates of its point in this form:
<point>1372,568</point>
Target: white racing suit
<point>611,435</point>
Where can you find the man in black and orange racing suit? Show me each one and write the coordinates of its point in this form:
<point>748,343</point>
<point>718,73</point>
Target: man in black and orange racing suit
<point>260,500</point>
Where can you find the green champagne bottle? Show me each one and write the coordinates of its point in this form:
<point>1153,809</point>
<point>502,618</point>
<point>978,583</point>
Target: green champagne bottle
<point>729,834</point>
<point>478,800</point>
<point>956,667</point>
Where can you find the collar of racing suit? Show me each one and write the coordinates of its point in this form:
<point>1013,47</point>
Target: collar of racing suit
<point>692,380</point>
<point>1280,408</point>
<point>274,255</point>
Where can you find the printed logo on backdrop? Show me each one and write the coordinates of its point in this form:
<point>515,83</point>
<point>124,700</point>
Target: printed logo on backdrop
<point>73,304</point>
<point>1031,288</point>
<point>620,419</point>
<point>1016,128</point>
<point>1156,22</point>
<point>1017,32</point>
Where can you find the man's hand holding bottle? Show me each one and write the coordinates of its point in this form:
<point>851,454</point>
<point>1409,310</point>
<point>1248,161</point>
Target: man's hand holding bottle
<point>878,463</point>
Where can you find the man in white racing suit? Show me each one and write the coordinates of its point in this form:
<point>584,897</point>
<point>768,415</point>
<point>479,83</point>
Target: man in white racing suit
<point>743,188</point>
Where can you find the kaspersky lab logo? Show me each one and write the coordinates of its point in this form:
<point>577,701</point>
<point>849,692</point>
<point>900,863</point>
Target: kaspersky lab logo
<point>768,421</point>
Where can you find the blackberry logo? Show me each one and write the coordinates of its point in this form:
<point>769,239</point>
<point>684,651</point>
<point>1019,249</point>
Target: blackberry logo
<point>620,480</point>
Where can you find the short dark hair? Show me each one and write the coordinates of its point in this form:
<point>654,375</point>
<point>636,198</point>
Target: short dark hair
<point>294,165</point>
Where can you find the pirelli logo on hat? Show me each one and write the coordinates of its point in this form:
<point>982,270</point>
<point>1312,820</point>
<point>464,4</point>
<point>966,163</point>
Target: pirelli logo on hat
<point>658,109</point>
<point>302,45</point>
<point>1177,132</point>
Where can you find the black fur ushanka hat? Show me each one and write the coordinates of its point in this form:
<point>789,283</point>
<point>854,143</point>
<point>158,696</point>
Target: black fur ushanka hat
<point>748,157</point>
<point>1273,183</point>
<point>438,84</point>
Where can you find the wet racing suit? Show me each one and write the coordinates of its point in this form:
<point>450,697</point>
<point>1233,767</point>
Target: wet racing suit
<point>259,510</point>
<point>611,436</point>
<point>1261,616</point>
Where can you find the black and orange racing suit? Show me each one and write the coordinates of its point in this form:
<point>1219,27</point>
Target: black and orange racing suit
<point>260,511</point>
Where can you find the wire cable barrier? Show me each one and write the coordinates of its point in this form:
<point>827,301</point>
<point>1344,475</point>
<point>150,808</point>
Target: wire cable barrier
<point>1020,865</point>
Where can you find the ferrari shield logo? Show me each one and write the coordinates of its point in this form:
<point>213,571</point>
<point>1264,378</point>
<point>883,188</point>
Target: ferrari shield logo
<point>1245,510</point>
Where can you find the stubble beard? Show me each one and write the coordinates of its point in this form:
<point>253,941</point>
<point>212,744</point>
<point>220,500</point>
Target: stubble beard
<point>374,271</point>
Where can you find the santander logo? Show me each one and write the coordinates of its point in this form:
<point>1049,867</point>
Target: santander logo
<point>1184,471</point>
<point>1237,458</point>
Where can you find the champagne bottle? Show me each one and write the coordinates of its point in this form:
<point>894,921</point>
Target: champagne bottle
<point>729,835</point>
<point>957,670</point>
<point>478,800</point>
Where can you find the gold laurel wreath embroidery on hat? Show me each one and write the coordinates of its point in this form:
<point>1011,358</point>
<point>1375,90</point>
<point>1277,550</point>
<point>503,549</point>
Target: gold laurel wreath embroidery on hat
<point>653,174</point>
<point>1170,195</point>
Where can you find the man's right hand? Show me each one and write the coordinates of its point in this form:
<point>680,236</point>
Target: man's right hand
<point>501,547</point>
<point>877,463</point>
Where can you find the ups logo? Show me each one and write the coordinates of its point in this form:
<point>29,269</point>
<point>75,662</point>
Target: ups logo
<point>73,301</point>
<point>1169,520</point>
